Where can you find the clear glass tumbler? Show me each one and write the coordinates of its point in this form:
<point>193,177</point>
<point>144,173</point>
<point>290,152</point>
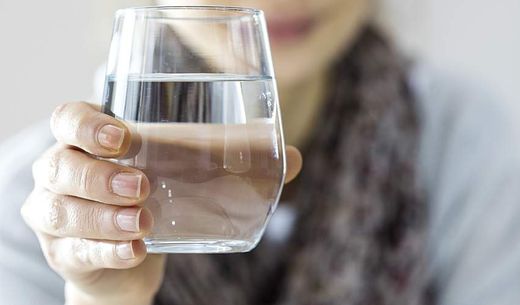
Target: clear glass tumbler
<point>195,85</point>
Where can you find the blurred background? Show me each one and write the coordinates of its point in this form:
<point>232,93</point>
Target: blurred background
<point>51,50</point>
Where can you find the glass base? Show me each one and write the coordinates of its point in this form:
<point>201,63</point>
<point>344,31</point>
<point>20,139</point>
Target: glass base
<point>198,246</point>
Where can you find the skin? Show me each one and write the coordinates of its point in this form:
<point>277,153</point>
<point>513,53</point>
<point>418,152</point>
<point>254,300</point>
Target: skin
<point>302,61</point>
<point>87,215</point>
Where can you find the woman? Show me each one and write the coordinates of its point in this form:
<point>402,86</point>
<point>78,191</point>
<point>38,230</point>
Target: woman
<point>403,198</point>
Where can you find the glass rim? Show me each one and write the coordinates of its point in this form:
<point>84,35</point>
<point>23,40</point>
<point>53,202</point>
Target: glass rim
<point>246,11</point>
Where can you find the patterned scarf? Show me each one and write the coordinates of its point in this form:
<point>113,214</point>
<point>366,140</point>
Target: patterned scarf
<point>360,230</point>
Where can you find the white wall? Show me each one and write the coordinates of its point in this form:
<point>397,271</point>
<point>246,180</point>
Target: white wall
<point>49,50</point>
<point>477,38</point>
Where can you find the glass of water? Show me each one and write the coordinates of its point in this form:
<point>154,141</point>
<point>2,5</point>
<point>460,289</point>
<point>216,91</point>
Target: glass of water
<point>195,85</point>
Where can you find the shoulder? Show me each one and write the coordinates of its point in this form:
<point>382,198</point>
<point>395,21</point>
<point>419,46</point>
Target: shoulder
<point>469,164</point>
<point>441,92</point>
<point>462,120</point>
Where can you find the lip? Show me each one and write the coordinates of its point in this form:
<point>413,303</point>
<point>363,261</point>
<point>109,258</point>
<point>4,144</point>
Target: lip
<point>289,29</point>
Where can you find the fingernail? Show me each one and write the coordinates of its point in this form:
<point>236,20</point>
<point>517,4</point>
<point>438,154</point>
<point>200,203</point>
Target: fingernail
<point>128,219</point>
<point>127,185</point>
<point>124,250</point>
<point>145,220</point>
<point>111,137</point>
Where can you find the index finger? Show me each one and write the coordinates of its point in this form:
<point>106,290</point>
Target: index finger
<point>82,125</point>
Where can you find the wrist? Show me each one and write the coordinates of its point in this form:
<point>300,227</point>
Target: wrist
<point>74,296</point>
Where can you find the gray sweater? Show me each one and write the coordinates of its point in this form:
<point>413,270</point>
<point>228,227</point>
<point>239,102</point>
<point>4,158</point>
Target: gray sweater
<point>469,161</point>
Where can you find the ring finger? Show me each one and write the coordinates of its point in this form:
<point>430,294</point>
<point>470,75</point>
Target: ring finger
<point>66,216</point>
<point>70,172</point>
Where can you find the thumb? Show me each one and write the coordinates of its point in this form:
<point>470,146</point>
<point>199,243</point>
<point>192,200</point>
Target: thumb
<point>294,163</point>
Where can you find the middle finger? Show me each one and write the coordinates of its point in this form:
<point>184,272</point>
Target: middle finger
<point>70,172</point>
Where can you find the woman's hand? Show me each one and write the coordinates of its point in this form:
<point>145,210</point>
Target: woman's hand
<point>86,212</point>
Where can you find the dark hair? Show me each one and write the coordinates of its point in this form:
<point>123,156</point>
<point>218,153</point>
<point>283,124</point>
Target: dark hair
<point>360,228</point>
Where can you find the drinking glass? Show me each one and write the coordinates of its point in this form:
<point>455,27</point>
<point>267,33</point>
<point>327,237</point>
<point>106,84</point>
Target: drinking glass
<point>196,88</point>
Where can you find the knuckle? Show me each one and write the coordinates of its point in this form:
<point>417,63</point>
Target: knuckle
<point>55,214</point>
<point>86,127</point>
<point>82,126</point>
<point>86,178</point>
<point>69,121</point>
<point>99,120</point>
<point>77,128</point>
<point>52,167</point>
<point>80,249</point>
<point>56,115</point>
<point>92,218</point>
<point>106,254</point>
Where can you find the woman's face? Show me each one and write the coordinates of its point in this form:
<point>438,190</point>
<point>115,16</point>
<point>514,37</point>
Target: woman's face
<point>306,35</point>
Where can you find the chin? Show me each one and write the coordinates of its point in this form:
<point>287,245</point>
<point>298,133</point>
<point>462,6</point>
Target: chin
<point>288,77</point>
<point>293,66</point>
